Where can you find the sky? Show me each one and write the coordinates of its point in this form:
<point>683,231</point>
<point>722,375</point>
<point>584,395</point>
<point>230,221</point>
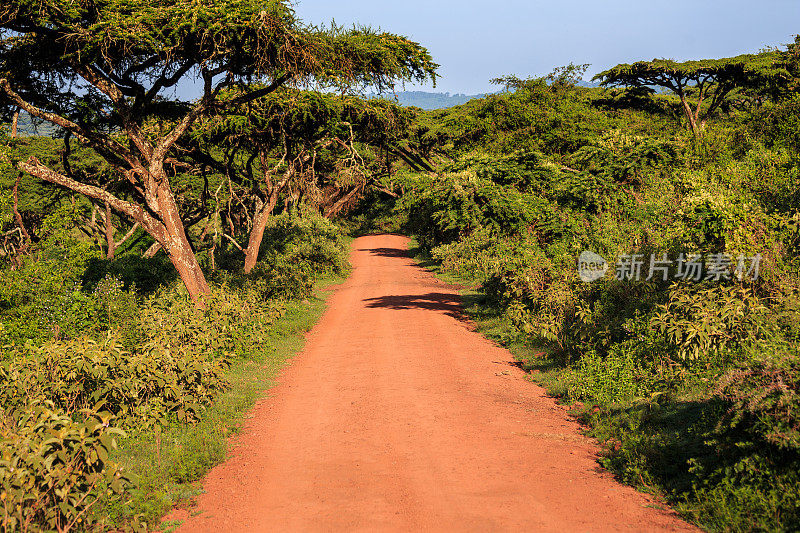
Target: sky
<point>477,41</point>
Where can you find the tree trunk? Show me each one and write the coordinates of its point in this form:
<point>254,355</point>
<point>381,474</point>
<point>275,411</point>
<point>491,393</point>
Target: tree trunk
<point>14,124</point>
<point>262,215</point>
<point>164,224</point>
<point>257,233</point>
<point>111,245</point>
<point>25,238</point>
<point>18,216</point>
<point>189,270</point>
<point>687,110</point>
<point>339,204</point>
<point>691,116</point>
<point>256,236</point>
<point>176,245</point>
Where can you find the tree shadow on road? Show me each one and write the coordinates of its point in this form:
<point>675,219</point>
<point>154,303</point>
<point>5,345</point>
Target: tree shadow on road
<point>450,303</point>
<point>386,252</point>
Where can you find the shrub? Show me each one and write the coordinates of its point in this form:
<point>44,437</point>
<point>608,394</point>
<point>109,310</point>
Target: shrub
<point>764,399</point>
<point>231,324</point>
<point>44,299</point>
<point>276,277</point>
<point>53,469</point>
<point>296,249</point>
<point>442,209</point>
<point>701,323</point>
<point>48,298</point>
<point>606,380</point>
<point>144,274</point>
<point>309,239</point>
<point>138,388</point>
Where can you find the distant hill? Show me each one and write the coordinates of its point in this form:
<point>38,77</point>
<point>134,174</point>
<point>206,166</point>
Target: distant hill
<point>27,127</point>
<point>428,100</point>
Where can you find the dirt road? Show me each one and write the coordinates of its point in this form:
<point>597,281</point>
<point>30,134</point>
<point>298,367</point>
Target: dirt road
<point>398,417</point>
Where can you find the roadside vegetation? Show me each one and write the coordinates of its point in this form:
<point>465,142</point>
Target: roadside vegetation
<point>115,398</point>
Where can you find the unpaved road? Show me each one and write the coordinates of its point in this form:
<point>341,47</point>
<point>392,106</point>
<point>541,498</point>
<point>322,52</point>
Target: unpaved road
<point>398,417</point>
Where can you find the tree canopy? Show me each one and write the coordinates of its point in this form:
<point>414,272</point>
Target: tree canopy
<point>701,85</point>
<point>297,143</point>
<point>102,71</point>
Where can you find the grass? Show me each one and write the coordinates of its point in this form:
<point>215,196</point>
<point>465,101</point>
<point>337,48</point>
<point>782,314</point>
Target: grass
<point>168,464</point>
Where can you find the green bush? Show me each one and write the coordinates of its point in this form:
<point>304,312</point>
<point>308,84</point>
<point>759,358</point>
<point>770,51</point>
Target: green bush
<point>442,209</point>
<point>145,275</point>
<point>296,249</point>
<point>53,469</point>
<point>138,388</point>
<point>779,124</point>
<point>764,399</point>
<point>171,369</point>
<point>702,323</point>
<point>607,380</point>
<point>232,322</point>
<point>48,299</point>
<point>44,299</point>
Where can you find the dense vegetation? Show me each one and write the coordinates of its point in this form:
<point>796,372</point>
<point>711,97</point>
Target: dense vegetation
<point>97,352</point>
<point>153,249</point>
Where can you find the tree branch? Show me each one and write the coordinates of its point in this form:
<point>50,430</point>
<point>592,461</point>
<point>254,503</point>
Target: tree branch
<point>96,140</point>
<point>35,168</point>
<point>110,89</point>
<point>99,80</point>
<point>128,235</point>
<point>160,83</point>
<point>236,244</point>
<point>254,95</point>
<point>18,216</point>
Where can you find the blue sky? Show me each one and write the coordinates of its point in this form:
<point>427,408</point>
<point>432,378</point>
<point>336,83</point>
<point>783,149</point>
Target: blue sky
<point>477,41</point>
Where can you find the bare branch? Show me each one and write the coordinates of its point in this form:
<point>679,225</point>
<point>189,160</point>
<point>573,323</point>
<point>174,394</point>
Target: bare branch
<point>236,244</point>
<point>99,80</point>
<point>127,235</point>
<point>34,167</point>
<point>385,190</point>
<point>254,95</point>
<point>94,139</point>
<point>160,151</point>
<point>161,82</point>
<point>152,251</point>
<point>17,215</point>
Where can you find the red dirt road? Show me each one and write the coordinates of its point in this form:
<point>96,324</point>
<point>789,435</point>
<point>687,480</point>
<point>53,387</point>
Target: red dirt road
<point>398,417</point>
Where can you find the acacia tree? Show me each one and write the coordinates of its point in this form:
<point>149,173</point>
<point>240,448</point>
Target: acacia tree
<point>702,86</point>
<point>103,70</point>
<point>790,60</point>
<point>325,147</point>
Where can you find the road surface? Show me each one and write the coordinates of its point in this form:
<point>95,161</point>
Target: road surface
<point>397,416</point>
